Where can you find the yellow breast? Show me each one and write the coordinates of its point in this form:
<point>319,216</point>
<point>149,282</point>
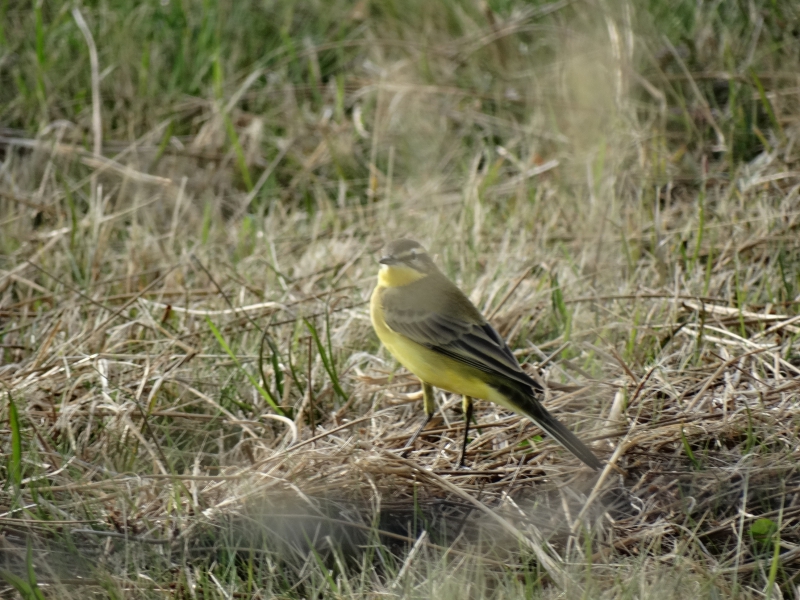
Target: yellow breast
<point>431,367</point>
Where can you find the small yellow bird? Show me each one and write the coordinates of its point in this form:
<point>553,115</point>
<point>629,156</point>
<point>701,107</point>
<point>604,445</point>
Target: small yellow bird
<point>432,328</point>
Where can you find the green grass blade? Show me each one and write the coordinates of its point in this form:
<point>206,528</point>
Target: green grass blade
<point>560,305</point>
<point>327,361</point>
<point>325,571</point>
<point>15,462</point>
<point>276,367</point>
<point>290,361</point>
<point>233,137</point>
<point>776,124</point>
<point>265,394</point>
<point>688,450</point>
<point>241,160</point>
<point>18,584</point>
<point>205,228</point>
<point>37,593</point>
<point>701,226</point>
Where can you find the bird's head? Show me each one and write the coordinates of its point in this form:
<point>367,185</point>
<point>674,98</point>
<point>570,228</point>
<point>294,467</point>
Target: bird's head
<point>403,262</point>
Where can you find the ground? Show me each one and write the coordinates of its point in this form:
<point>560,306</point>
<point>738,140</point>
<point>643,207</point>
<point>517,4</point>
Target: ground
<point>193,198</point>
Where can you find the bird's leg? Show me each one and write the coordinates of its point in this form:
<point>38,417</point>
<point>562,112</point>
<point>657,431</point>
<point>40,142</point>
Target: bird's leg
<point>430,407</point>
<point>466,405</point>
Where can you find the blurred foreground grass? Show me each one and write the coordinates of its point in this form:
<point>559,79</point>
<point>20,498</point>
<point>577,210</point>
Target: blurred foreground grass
<point>194,404</point>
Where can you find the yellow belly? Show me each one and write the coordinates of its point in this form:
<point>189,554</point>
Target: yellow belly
<point>431,367</point>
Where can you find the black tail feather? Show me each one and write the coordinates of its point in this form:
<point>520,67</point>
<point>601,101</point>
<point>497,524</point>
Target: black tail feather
<point>526,404</point>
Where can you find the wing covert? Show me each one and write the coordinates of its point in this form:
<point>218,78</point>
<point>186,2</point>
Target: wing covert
<point>475,344</point>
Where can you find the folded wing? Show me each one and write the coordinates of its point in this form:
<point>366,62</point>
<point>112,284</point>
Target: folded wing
<point>474,343</point>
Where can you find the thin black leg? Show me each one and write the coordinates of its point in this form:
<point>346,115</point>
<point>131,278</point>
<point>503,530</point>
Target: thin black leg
<point>430,409</point>
<point>466,405</point>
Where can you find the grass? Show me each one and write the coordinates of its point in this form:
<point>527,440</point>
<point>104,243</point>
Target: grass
<point>194,403</point>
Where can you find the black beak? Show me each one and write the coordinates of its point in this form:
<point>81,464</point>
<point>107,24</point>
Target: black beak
<point>387,260</point>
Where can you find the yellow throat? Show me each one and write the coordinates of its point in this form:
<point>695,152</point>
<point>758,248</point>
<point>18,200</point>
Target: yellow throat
<point>398,275</point>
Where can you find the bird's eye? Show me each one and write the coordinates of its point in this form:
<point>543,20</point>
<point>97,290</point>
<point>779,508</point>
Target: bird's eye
<point>413,255</point>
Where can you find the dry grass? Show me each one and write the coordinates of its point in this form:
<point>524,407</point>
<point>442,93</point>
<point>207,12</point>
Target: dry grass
<point>631,229</point>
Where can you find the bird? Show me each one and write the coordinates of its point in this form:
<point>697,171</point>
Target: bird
<point>430,326</point>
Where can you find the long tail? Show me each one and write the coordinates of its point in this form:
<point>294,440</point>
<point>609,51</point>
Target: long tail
<point>528,405</point>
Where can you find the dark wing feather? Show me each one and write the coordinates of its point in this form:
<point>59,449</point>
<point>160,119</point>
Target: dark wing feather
<point>455,329</point>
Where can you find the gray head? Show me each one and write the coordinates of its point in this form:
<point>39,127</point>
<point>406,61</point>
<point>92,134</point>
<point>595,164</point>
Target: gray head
<point>408,253</point>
